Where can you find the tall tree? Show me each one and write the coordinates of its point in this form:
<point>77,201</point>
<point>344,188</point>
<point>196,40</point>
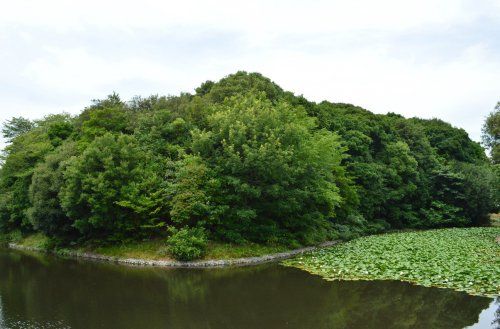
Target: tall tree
<point>15,127</point>
<point>273,173</point>
<point>491,134</point>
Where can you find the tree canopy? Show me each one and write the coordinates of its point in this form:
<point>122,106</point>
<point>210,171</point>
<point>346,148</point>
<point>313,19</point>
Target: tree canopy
<point>240,160</point>
<point>491,134</point>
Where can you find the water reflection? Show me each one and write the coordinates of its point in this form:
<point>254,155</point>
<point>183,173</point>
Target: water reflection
<point>2,323</point>
<point>489,317</point>
<point>38,291</point>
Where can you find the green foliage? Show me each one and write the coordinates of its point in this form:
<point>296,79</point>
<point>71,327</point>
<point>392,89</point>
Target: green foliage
<point>21,156</point>
<point>59,131</point>
<point>491,134</point>
<point>240,83</point>
<point>190,202</point>
<point>109,115</point>
<point>271,172</point>
<point>480,192</point>
<point>218,250</point>
<point>246,161</point>
<point>15,127</point>
<point>407,172</point>
<point>15,236</point>
<point>45,213</point>
<point>103,191</point>
<point>187,243</point>
<point>461,259</point>
<point>452,143</point>
<point>165,127</point>
<point>4,240</point>
<point>36,241</point>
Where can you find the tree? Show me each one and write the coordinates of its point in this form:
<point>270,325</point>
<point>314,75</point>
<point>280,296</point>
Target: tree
<point>240,83</point>
<point>190,202</point>
<point>15,127</point>
<point>45,213</point>
<point>451,143</point>
<point>59,131</point>
<point>21,156</point>
<point>108,115</point>
<point>241,159</point>
<point>273,173</point>
<point>480,192</point>
<point>491,134</point>
<point>105,189</point>
<point>447,199</point>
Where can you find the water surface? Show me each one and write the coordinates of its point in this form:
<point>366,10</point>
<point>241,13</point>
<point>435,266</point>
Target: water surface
<point>38,291</point>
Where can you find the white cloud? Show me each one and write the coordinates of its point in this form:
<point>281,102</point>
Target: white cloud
<point>418,58</point>
<point>279,16</point>
<point>64,69</point>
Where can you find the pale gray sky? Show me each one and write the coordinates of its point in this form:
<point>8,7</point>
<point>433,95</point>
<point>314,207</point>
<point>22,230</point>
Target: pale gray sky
<point>424,58</point>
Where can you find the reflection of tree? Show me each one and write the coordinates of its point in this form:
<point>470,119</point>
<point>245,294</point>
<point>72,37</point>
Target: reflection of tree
<point>496,320</point>
<point>90,295</point>
<point>401,305</point>
<point>2,322</point>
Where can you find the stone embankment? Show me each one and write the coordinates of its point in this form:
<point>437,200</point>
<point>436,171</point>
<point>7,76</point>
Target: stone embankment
<point>173,263</point>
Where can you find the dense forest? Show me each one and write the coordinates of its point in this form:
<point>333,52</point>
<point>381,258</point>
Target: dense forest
<point>239,160</point>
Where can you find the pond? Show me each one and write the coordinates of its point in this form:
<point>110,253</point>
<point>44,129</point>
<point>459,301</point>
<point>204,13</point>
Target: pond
<point>39,291</point>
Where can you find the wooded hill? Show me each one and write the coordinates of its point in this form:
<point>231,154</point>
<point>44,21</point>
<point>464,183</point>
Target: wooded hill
<point>239,160</point>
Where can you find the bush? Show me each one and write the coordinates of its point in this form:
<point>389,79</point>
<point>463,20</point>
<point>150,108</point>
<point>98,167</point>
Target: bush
<point>187,243</point>
<point>4,240</point>
<point>15,236</point>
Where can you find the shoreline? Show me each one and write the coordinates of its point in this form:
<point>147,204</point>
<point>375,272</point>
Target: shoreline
<point>210,263</point>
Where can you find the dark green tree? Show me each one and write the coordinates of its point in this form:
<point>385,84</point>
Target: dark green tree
<point>45,213</point>
<point>21,156</point>
<point>109,191</point>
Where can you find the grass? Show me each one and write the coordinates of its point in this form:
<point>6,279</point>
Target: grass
<point>228,251</point>
<point>143,250</point>
<point>464,259</point>
<point>495,220</point>
<point>37,240</point>
<point>6,238</point>
<point>156,249</point>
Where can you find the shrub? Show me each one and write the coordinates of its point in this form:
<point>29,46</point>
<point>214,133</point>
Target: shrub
<point>4,240</point>
<point>15,236</point>
<point>187,243</point>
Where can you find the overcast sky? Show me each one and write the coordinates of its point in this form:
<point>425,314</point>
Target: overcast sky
<point>438,58</point>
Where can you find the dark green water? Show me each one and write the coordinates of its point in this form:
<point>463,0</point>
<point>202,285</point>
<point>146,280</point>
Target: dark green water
<point>46,292</point>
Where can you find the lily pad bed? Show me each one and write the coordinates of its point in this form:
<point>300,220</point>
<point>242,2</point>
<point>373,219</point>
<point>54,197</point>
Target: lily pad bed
<point>464,259</point>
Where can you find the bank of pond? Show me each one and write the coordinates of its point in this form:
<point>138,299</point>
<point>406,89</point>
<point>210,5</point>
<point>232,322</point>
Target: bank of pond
<point>463,259</point>
<point>392,280</point>
<point>43,291</point>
